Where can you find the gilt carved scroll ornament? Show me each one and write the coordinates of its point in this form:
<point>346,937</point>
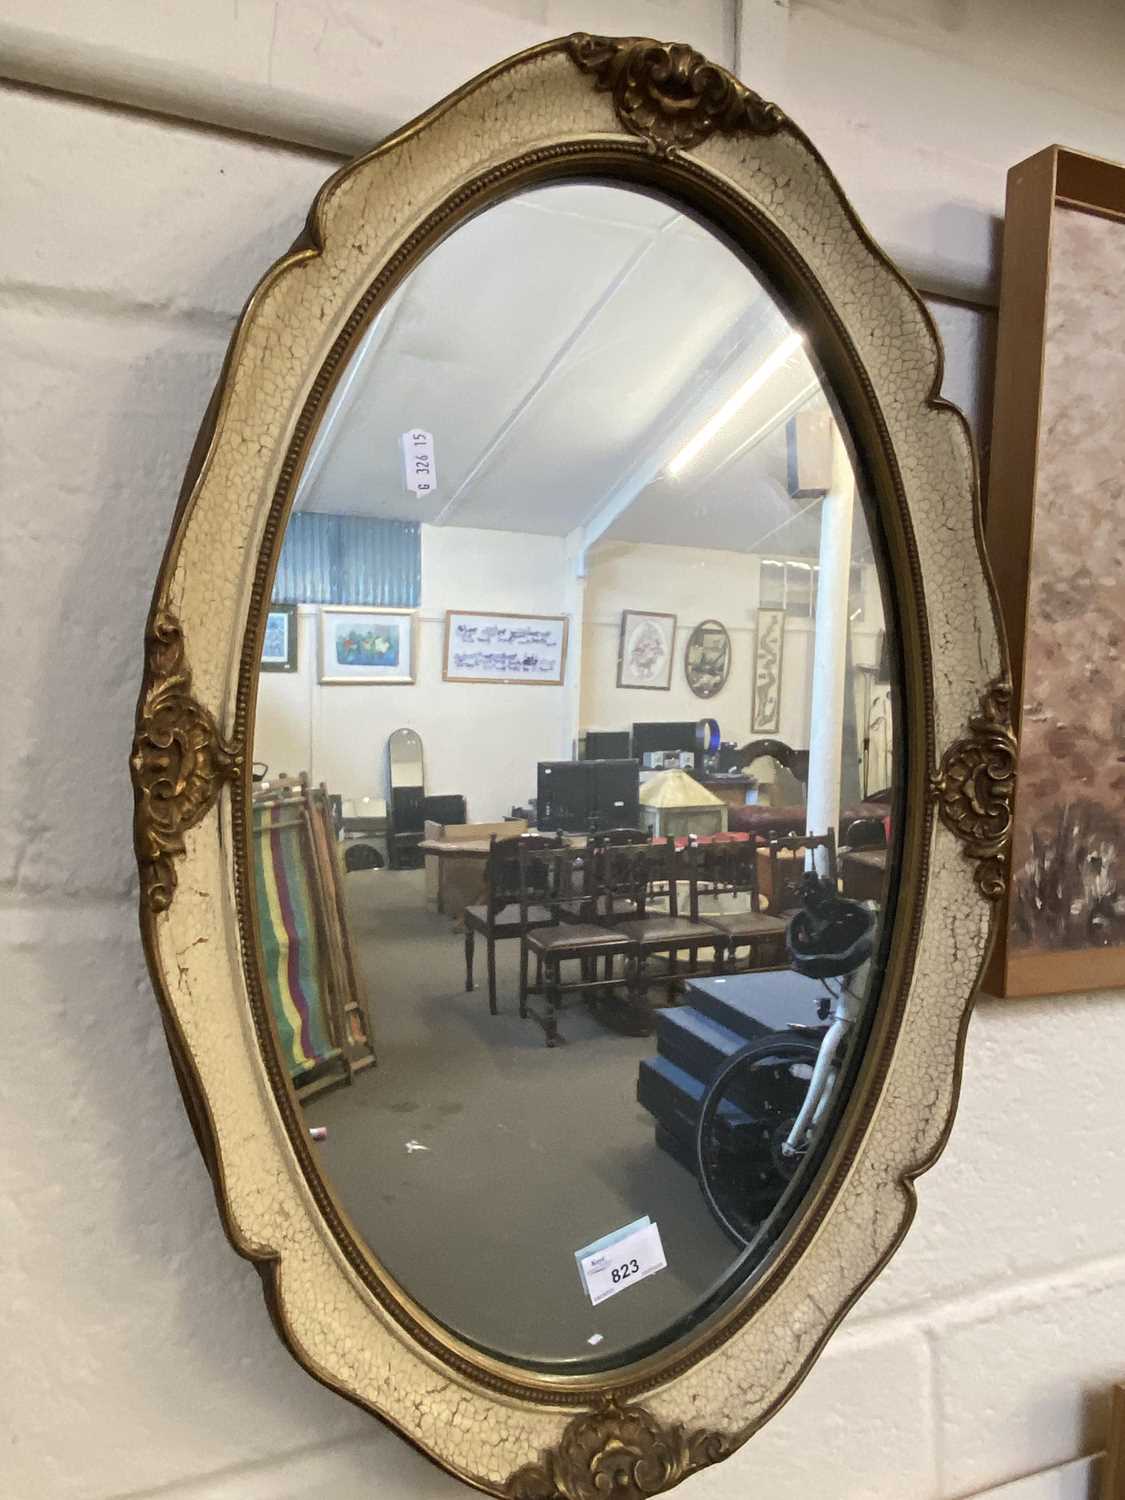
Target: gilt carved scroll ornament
<point>179,761</point>
<point>975,788</point>
<point>669,94</point>
<point>619,1451</point>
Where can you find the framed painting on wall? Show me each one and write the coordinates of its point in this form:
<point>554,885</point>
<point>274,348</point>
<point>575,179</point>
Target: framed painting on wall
<point>1056,535</point>
<point>279,648</point>
<point>363,645</point>
<point>644,653</point>
<point>503,648</point>
<point>769,643</point>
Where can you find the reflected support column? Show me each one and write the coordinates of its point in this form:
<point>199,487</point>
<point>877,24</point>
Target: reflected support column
<point>575,607</point>
<point>829,679</point>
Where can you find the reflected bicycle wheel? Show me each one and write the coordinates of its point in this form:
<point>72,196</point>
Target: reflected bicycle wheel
<point>747,1112</point>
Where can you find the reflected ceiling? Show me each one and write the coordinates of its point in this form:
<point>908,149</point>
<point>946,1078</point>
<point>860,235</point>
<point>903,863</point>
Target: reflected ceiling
<point>558,420</point>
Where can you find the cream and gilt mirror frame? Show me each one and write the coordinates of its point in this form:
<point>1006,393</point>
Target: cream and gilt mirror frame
<point>655,115</point>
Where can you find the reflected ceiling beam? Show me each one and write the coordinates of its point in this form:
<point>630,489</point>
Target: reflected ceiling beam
<point>773,363</point>
<point>555,209</point>
<point>553,365</point>
<point>641,475</point>
<point>755,545</point>
<point>345,395</point>
<point>788,408</point>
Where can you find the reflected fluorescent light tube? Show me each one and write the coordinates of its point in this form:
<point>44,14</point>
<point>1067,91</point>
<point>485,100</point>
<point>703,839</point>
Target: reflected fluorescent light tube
<point>769,366</point>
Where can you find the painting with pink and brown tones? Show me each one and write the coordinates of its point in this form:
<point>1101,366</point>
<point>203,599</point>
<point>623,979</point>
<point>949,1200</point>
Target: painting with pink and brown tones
<point>1068,858</point>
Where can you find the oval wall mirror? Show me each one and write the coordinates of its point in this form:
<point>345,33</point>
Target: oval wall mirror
<point>588,1113</point>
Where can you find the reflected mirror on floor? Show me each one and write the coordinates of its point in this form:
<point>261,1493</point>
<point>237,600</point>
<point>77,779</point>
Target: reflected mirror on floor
<point>576,830</point>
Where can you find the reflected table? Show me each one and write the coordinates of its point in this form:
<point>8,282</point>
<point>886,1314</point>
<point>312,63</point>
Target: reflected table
<point>461,877</point>
<point>461,872</point>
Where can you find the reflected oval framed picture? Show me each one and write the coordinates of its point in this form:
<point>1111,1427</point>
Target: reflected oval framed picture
<point>707,658</point>
<point>567,1123</point>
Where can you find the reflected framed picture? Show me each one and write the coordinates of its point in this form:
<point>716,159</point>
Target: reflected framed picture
<point>769,644</point>
<point>504,648</point>
<point>1057,546</point>
<point>279,649</point>
<point>363,645</point>
<point>707,659</point>
<point>644,655</point>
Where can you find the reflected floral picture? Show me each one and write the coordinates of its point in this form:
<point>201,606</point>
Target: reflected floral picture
<point>366,645</point>
<point>644,657</point>
<point>367,648</point>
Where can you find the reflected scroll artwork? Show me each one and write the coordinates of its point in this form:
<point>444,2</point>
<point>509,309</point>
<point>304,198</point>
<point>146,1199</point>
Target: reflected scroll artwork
<point>504,648</point>
<point>768,649</point>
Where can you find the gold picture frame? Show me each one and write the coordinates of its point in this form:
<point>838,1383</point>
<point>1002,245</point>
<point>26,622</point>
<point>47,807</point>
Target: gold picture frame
<point>1113,1472</point>
<point>658,116</point>
<point>1060,382</point>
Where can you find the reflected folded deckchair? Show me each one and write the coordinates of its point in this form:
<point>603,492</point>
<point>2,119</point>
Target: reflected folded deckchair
<point>294,969</point>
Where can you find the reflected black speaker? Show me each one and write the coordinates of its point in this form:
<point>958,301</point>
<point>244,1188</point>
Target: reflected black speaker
<point>447,807</point>
<point>406,809</point>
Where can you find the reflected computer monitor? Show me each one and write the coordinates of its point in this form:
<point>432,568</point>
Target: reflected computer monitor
<point>575,796</point>
<point>606,744</point>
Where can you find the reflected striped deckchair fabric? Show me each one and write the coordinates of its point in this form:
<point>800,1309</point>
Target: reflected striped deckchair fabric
<point>294,968</point>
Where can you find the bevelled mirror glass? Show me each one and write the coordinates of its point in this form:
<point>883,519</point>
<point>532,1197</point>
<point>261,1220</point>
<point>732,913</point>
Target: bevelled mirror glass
<point>603,882</point>
<point>701,925</point>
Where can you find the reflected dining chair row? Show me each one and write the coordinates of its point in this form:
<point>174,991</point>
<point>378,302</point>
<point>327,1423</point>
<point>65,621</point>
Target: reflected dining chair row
<point>627,901</point>
<point>619,900</point>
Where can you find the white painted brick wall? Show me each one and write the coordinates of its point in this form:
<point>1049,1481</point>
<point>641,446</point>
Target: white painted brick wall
<point>137,1356</point>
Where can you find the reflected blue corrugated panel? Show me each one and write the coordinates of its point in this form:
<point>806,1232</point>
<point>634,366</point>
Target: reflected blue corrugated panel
<point>329,559</point>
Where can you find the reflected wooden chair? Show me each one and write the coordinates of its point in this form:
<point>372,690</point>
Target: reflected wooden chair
<point>548,879</point>
<point>498,917</point>
<point>786,866</point>
<point>639,873</point>
<point>730,869</point>
<point>591,902</point>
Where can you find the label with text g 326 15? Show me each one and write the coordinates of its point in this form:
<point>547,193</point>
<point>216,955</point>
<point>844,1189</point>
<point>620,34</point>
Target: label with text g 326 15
<point>620,1260</point>
<point>419,468</point>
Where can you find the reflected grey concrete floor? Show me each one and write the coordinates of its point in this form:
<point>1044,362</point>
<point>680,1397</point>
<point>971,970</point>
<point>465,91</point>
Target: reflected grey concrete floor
<point>475,1161</point>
